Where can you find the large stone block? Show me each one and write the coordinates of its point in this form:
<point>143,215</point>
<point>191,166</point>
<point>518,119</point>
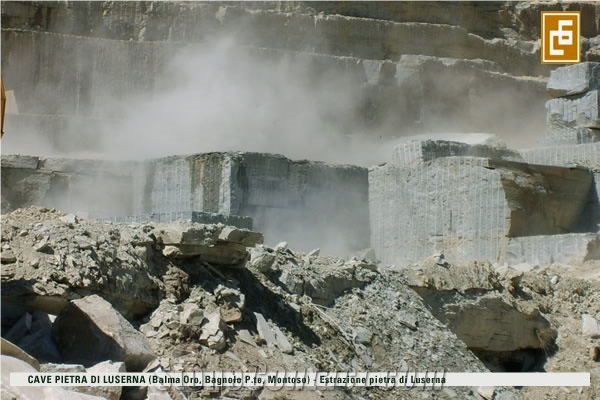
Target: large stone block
<point>216,244</point>
<point>196,182</point>
<point>108,336</point>
<point>469,207</point>
<point>100,188</point>
<point>574,79</point>
<point>311,204</point>
<point>19,161</point>
<point>585,155</point>
<point>581,112</point>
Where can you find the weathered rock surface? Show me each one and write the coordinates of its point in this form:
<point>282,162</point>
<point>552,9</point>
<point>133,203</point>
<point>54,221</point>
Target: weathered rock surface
<point>59,257</point>
<point>108,335</point>
<point>59,261</point>
<point>105,367</point>
<point>321,278</point>
<point>590,327</point>
<point>108,392</point>
<point>215,244</point>
<point>470,300</point>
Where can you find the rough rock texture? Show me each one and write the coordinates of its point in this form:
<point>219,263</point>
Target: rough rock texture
<point>282,326</point>
<point>60,257</point>
<point>410,68</point>
<point>57,261</point>
<point>213,243</point>
<point>108,335</point>
<point>271,316</point>
<point>469,299</point>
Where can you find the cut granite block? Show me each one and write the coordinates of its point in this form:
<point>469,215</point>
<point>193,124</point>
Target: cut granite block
<point>469,207</point>
<point>574,79</point>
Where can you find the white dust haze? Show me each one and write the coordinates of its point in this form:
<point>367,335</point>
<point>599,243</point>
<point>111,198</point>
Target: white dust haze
<point>221,97</point>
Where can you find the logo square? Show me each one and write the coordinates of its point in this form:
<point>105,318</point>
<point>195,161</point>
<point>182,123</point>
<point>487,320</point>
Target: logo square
<point>560,36</point>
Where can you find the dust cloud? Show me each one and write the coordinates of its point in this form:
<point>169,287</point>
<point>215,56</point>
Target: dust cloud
<point>219,96</point>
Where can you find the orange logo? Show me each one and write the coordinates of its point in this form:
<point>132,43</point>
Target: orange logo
<point>560,37</point>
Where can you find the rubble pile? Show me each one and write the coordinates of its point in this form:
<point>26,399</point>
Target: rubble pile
<point>50,258</point>
<point>276,309</point>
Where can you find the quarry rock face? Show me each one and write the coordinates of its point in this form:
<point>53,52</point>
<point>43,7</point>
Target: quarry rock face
<point>454,253</point>
<point>455,70</point>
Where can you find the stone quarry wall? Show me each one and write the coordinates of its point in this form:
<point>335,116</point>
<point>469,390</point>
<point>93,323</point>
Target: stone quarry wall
<point>468,201</point>
<point>417,93</point>
<point>119,50</point>
<point>573,113</point>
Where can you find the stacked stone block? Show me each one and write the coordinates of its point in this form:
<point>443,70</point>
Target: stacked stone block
<point>573,114</point>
